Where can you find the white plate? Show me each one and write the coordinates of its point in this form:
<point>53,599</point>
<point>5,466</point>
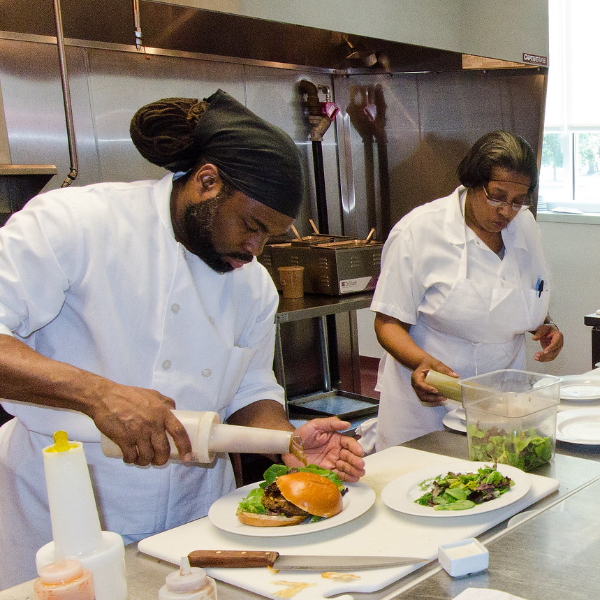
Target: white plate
<point>357,500</point>
<point>453,420</point>
<point>401,493</point>
<point>579,426</point>
<point>580,388</point>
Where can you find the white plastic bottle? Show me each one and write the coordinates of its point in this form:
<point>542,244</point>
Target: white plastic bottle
<point>188,583</point>
<point>209,437</point>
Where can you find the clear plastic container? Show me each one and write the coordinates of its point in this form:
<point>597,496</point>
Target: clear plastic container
<point>511,417</point>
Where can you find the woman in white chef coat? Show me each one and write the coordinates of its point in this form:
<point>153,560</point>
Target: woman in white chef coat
<point>463,279</point>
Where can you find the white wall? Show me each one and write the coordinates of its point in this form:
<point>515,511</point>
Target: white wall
<point>572,251</point>
<point>503,30</point>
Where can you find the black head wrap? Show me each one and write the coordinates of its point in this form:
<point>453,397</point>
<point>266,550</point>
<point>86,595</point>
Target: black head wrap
<point>257,158</point>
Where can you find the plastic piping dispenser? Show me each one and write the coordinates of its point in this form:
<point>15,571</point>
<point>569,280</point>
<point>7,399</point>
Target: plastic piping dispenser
<point>210,437</point>
<point>76,527</point>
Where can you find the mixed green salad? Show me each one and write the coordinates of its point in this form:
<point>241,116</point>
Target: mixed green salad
<point>252,503</point>
<point>525,449</point>
<point>461,491</point>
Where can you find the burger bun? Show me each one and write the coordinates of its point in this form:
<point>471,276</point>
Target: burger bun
<point>257,520</point>
<point>312,493</point>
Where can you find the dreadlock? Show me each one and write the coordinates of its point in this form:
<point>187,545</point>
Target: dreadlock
<point>163,132</point>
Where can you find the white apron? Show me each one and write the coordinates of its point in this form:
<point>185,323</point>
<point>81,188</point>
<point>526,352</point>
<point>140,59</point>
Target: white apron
<point>132,501</point>
<point>477,329</point>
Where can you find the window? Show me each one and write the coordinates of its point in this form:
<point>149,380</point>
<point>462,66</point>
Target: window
<point>570,169</point>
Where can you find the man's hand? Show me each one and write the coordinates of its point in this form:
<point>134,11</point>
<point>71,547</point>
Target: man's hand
<point>551,340</point>
<point>326,447</point>
<point>138,421</point>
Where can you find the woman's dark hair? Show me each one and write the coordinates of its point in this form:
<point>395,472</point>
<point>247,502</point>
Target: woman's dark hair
<point>497,149</point>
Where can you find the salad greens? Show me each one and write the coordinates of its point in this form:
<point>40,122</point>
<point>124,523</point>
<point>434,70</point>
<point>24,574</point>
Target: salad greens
<point>461,491</point>
<point>252,503</point>
<point>525,449</point>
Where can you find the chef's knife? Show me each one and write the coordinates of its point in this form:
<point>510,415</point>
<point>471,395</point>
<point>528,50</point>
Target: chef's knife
<point>243,559</point>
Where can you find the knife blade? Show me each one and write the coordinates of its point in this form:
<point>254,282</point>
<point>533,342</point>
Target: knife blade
<point>244,559</point>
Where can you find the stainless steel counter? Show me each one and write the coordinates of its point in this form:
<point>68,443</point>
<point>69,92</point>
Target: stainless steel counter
<point>544,554</point>
<point>548,552</point>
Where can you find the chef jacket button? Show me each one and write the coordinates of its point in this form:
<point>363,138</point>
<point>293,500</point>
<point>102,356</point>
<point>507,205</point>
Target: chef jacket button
<point>175,308</point>
<point>166,365</point>
<point>206,372</point>
<point>212,321</point>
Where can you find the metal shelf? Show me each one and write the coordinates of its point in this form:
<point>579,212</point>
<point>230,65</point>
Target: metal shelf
<point>328,400</point>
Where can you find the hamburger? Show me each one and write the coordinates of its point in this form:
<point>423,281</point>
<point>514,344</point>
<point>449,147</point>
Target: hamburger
<point>291,496</point>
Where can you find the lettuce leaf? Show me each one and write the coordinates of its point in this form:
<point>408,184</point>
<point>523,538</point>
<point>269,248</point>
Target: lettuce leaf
<point>525,449</point>
<point>461,491</point>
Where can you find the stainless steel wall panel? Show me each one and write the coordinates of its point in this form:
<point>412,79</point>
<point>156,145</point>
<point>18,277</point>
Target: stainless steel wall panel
<point>34,108</point>
<point>273,94</point>
<point>122,82</point>
<point>374,153</point>
<point>431,120</point>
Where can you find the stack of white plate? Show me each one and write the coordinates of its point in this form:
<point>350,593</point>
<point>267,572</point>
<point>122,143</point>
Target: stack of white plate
<point>456,420</point>
<point>580,423</point>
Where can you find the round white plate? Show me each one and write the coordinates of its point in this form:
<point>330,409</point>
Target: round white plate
<point>455,420</point>
<point>579,426</point>
<point>580,388</point>
<point>401,493</point>
<point>357,500</point>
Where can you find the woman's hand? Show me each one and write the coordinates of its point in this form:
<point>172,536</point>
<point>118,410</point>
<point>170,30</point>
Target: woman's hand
<point>325,446</point>
<point>427,393</point>
<point>394,337</point>
<point>551,340</point>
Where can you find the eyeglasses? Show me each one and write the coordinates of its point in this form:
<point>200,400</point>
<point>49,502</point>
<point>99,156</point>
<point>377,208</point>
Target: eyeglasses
<point>516,205</point>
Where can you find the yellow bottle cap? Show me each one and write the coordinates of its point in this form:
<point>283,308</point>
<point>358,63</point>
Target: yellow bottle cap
<point>61,442</point>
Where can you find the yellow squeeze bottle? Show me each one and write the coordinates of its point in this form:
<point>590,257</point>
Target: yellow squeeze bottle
<point>76,530</point>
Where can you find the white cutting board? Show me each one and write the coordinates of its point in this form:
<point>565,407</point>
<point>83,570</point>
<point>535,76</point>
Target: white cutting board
<point>380,531</point>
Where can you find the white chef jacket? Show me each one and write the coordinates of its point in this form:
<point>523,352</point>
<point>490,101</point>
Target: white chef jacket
<point>429,254</point>
<point>94,277</point>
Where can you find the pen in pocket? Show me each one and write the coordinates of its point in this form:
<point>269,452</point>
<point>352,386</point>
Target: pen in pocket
<point>539,287</point>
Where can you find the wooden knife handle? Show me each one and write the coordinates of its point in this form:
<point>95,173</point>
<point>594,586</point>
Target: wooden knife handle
<point>237,559</point>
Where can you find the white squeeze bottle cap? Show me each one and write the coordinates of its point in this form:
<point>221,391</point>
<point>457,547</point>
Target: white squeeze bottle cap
<point>188,583</point>
<point>64,580</point>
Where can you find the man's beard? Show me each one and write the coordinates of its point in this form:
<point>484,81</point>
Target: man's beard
<point>198,224</point>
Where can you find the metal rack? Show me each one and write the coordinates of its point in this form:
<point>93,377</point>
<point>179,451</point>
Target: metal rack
<point>347,403</point>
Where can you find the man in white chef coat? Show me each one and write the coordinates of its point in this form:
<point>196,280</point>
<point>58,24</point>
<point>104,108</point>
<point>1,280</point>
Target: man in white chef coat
<point>120,301</point>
